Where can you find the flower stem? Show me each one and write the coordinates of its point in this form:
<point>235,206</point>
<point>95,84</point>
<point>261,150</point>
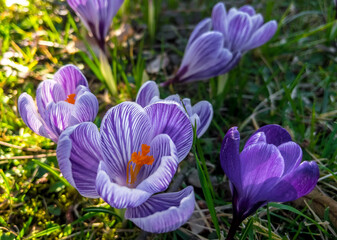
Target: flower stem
<point>234,227</point>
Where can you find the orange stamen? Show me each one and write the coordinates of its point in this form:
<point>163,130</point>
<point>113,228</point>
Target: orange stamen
<point>71,98</point>
<point>139,159</point>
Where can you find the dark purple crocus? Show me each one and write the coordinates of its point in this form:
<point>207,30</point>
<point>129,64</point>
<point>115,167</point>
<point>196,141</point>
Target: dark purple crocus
<point>268,169</point>
<point>96,15</point>
<point>200,114</point>
<point>62,102</point>
<point>131,160</point>
<point>216,44</point>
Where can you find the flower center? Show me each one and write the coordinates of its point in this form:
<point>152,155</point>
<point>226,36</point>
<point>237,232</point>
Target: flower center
<point>139,159</point>
<point>71,98</point>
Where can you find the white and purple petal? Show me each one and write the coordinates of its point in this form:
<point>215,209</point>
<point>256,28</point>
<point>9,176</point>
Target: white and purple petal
<point>86,106</point>
<point>261,36</point>
<point>205,112</point>
<point>30,116</point>
<point>124,129</point>
<point>70,77</point>
<point>169,118</point>
<point>115,194</point>
<point>201,28</point>
<point>219,18</point>
<point>163,212</point>
<point>146,93</point>
<point>49,91</point>
<point>157,177</point>
<point>205,58</point>
<point>78,154</point>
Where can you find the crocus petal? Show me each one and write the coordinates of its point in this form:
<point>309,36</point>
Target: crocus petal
<point>86,107</point>
<point>202,27</point>
<point>230,156</point>
<point>186,104</point>
<point>239,31</point>
<point>247,9</point>
<point>78,154</point>
<point>163,212</point>
<point>219,18</point>
<point>292,155</point>
<point>205,112</point>
<point>232,63</point>
<point>261,36</point>
<point>47,92</point>
<point>57,116</point>
<point>30,116</point>
<point>260,164</point>
<point>258,137</point>
<point>124,129</point>
<point>116,195</point>
<point>146,93</point>
<point>96,15</point>
<point>296,184</point>
<point>205,58</point>
<point>159,175</point>
<point>174,97</point>
<point>275,134</point>
<point>257,21</point>
<point>69,77</point>
<point>169,118</point>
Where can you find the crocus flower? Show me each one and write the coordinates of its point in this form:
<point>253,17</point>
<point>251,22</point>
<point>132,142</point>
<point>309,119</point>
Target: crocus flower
<point>268,169</point>
<point>96,15</point>
<point>216,44</point>
<point>201,113</point>
<point>62,102</point>
<point>133,156</point>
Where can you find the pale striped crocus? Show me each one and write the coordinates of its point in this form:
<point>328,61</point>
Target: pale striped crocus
<point>200,114</point>
<point>216,44</point>
<point>268,169</point>
<point>96,16</point>
<point>131,160</point>
<point>62,102</point>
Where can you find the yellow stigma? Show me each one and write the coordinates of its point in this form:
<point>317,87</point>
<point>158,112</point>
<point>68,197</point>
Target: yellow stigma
<point>139,159</point>
<point>71,98</point>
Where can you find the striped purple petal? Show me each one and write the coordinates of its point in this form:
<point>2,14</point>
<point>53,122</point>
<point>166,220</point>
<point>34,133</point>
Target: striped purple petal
<point>157,177</point>
<point>124,129</point>
<point>204,59</point>
<point>86,106</point>
<point>31,118</point>
<point>163,212</point>
<point>115,194</point>
<point>47,92</point>
<point>70,77</point>
<point>146,93</point>
<point>78,154</point>
<point>204,110</point>
<point>169,118</point>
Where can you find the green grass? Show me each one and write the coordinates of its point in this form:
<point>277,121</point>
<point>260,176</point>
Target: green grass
<point>290,81</point>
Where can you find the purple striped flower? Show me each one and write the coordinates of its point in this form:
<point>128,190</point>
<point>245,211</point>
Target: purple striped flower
<point>216,44</point>
<point>268,169</point>
<point>133,156</point>
<point>96,15</point>
<point>62,102</point>
<point>201,113</point>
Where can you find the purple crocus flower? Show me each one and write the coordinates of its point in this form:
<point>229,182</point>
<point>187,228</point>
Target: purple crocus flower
<point>62,102</point>
<point>216,44</point>
<point>268,169</point>
<point>131,160</point>
<point>201,113</point>
<point>96,15</point>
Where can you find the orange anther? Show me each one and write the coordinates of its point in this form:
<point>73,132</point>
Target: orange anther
<point>71,98</point>
<point>139,159</point>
